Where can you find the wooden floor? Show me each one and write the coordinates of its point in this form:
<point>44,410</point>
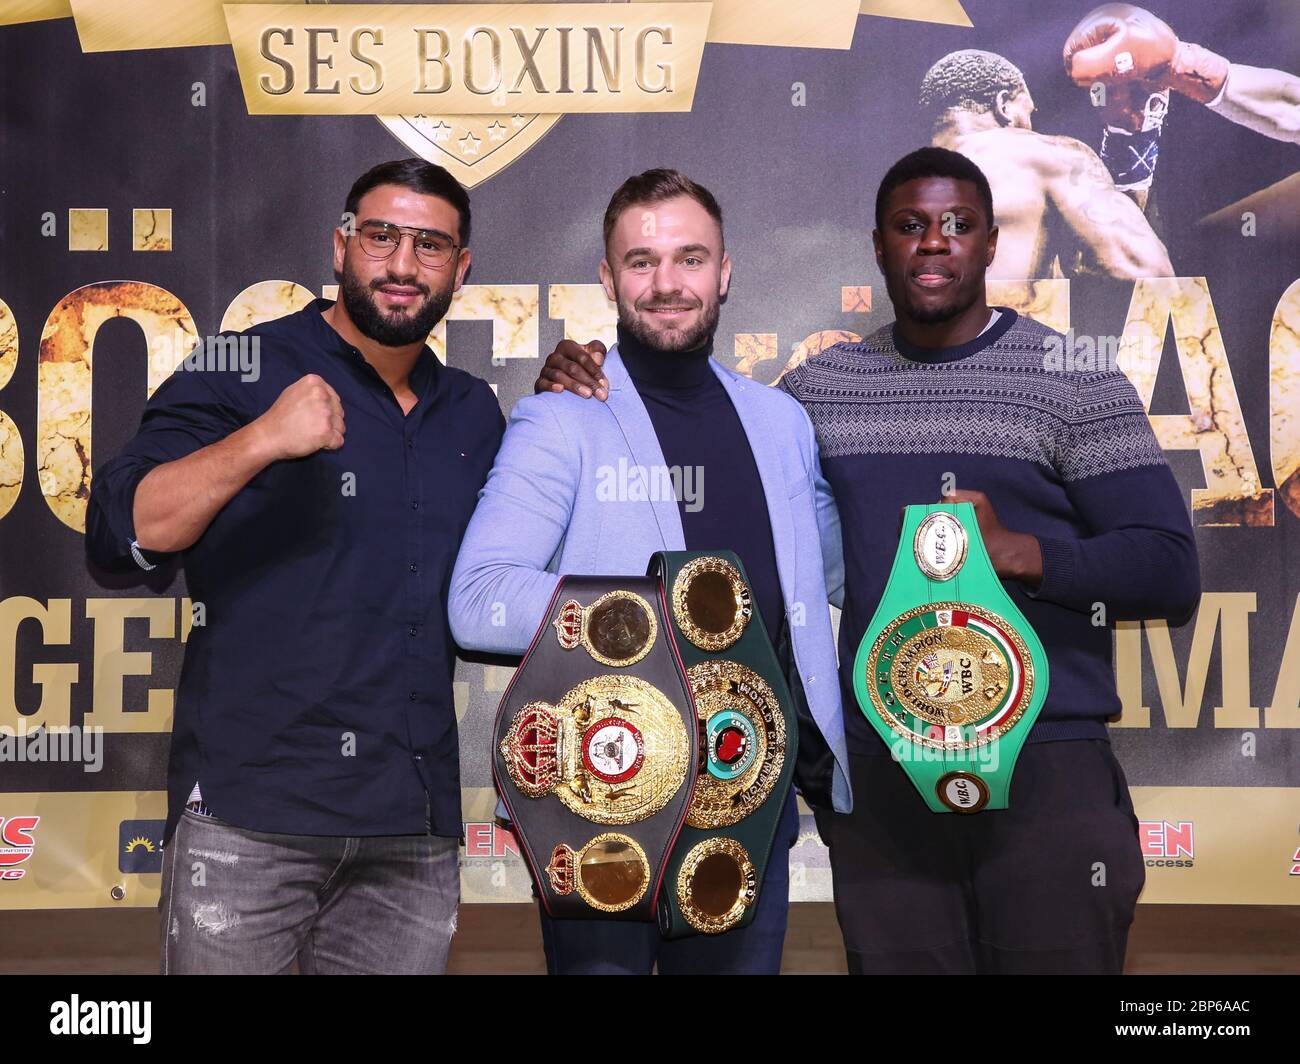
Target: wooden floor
<point>504,939</point>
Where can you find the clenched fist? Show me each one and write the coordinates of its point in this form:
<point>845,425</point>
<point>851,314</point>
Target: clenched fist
<point>306,417</point>
<point>1120,43</point>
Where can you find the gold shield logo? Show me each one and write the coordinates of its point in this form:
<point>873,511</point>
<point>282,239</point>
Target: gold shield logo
<point>471,147</point>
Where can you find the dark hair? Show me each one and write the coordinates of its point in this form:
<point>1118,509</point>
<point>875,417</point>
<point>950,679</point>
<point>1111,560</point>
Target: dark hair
<point>419,176</point>
<point>655,186</point>
<point>933,162</point>
<point>969,79</point>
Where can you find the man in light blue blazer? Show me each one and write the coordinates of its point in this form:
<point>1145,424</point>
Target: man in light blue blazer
<point>684,455</point>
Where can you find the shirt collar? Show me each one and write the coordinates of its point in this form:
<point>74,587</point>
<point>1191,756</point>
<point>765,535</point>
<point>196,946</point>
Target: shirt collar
<point>424,374</point>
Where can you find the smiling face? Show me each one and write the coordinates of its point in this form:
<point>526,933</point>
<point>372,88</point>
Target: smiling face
<point>665,268</point>
<point>934,247</point>
<point>396,301</point>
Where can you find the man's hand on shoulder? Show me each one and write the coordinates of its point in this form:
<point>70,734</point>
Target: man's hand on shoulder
<point>576,368</point>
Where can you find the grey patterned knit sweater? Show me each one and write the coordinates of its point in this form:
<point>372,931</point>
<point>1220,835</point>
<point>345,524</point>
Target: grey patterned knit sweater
<point>1065,455</point>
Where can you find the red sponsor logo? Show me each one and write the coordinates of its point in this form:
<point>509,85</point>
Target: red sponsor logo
<point>1295,862</point>
<point>16,844</point>
<point>1160,838</point>
<point>490,840</point>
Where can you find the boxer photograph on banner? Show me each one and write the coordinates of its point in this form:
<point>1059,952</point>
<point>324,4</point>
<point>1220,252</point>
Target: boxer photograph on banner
<point>1136,57</point>
<point>1060,212</point>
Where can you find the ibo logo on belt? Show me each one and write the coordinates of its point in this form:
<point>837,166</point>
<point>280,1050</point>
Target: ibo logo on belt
<point>732,744</point>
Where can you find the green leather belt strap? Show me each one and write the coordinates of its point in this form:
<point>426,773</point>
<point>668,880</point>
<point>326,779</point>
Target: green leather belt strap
<point>748,745</point>
<point>949,672</point>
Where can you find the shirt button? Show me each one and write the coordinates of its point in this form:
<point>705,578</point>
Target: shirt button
<point>415,505</point>
<point>414,568</point>
<point>410,443</point>
<point>412,696</point>
<point>412,630</point>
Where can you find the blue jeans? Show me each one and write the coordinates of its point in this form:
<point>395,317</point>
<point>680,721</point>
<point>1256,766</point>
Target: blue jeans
<point>236,901</point>
<point>611,947</point>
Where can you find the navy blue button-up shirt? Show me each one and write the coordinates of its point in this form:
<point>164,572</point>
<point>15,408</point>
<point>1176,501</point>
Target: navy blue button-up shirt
<point>316,697</point>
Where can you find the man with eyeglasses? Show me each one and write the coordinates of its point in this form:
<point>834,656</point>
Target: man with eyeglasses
<point>318,505</point>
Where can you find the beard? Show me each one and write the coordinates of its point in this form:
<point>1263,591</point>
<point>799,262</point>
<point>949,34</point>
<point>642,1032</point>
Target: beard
<point>905,306</point>
<point>395,329</point>
<point>671,339</point>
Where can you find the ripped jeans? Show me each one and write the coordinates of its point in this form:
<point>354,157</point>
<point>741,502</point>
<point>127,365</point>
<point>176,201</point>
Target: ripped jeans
<point>246,902</point>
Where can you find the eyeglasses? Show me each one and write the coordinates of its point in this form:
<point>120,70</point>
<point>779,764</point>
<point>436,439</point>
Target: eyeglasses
<point>380,239</point>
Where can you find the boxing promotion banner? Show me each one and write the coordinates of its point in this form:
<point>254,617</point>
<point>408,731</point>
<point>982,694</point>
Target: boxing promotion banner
<point>170,169</point>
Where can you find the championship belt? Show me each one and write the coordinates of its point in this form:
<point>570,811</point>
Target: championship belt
<point>949,672</point>
<point>596,747</point>
<point>748,744</point>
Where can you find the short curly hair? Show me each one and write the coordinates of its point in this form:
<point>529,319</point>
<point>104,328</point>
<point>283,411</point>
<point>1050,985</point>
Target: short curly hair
<point>969,79</point>
<point>933,162</point>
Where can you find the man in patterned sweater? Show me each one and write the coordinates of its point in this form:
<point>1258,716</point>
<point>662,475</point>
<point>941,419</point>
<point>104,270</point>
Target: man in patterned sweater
<point>963,400</point>
<point>959,399</point>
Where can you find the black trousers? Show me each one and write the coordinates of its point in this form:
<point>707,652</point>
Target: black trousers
<point>1047,886</point>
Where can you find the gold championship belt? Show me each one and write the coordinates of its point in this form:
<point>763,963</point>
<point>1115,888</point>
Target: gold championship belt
<point>596,748</point>
<point>748,741</point>
<point>614,750</point>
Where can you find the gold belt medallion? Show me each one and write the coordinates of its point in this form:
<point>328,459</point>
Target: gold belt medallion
<point>614,750</point>
<point>950,675</point>
<point>610,873</point>
<point>618,629</point>
<point>716,884</point>
<point>743,744</point>
<point>711,603</point>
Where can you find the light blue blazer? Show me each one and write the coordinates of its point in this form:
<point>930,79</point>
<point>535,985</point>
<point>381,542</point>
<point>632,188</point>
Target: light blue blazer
<point>546,510</point>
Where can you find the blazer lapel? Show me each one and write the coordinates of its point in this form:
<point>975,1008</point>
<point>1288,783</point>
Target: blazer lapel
<point>643,445</point>
<point>765,441</point>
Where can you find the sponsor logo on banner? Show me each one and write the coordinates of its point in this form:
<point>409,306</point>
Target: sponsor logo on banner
<point>490,840</point>
<point>17,844</point>
<point>139,845</point>
<point>1295,862</point>
<point>1167,844</point>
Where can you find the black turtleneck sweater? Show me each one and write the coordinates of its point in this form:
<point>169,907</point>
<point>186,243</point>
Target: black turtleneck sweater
<point>698,427</point>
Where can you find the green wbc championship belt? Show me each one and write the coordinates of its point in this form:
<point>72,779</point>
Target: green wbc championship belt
<point>748,735</point>
<point>949,672</point>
